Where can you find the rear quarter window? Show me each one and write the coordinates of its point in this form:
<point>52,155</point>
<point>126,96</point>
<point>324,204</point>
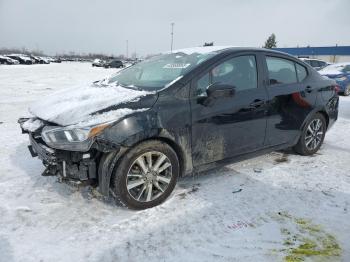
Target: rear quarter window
<point>301,72</point>
<point>281,71</point>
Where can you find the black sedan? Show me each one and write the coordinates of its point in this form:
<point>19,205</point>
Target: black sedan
<point>137,132</point>
<point>114,64</point>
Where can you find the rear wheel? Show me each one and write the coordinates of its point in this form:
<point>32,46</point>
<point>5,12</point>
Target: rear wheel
<point>312,135</point>
<point>146,175</point>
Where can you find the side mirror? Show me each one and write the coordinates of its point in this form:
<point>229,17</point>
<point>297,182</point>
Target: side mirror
<point>221,90</point>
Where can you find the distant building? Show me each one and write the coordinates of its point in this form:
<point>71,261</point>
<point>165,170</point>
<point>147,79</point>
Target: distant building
<point>332,54</point>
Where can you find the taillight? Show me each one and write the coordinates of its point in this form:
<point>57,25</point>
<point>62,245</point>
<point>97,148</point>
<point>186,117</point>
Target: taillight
<point>336,88</point>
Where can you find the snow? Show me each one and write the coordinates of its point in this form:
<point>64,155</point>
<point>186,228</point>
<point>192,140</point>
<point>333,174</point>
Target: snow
<point>69,106</point>
<point>26,58</point>
<point>236,213</point>
<point>32,124</point>
<point>200,49</point>
<point>334,69</point>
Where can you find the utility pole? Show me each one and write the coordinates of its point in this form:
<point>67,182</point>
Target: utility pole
<point>127,48</point>
<point>172,36</point>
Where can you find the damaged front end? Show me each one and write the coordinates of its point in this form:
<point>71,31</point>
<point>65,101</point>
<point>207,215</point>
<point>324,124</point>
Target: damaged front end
<point>74,160</point>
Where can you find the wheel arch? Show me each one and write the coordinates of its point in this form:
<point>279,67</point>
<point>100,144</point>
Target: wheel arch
<point>109,161</point>
<point>326,116</point>
<point>321,111</point>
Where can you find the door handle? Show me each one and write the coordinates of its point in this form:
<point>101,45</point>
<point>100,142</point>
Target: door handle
<point>308,89</point>
<point>257,103</point>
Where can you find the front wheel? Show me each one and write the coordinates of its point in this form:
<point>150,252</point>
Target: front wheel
<point>146,175</point>
<point>312,135</point>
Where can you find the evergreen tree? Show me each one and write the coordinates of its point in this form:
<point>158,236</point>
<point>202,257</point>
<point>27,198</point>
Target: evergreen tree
<point>271,42</point>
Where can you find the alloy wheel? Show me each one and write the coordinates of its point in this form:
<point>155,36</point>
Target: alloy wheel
<point>149,176</point>
<point>314,134</point>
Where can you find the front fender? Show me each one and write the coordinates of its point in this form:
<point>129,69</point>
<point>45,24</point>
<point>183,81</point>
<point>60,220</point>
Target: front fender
<point>134,127</point>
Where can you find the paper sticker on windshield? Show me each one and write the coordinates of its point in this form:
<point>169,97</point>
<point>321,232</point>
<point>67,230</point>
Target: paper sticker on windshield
<point>176,66</point>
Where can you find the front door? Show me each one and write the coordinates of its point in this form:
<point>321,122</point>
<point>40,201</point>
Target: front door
<point>232,125</point>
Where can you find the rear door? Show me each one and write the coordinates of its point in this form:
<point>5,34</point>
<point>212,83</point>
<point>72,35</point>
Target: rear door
<point>229,125</point>
<point>291,97</point>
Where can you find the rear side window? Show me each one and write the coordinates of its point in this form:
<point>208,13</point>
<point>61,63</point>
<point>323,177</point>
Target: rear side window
<point>281,71</point>
<point>314,63</point>
<point>322,64</point>
<point>301,72</point>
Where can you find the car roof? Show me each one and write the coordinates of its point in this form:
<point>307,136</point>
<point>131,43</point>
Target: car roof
<point>222,49</point>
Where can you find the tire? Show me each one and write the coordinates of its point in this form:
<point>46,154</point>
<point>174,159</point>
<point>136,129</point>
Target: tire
<point>129,172</point>
<point>347,90</point>
<point>312,136</point>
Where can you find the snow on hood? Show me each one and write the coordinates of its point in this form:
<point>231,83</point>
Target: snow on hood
<point>335,69</point>
<point>69,107</point>
<point>330,72</point>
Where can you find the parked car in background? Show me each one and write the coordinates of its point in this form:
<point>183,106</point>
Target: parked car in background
<point>4,60</point>
<point>315,63</point>
<point>135,133</point>
<point>22,59</point>
<point>341,74</point>
<point>98,63</point>
<point>56,60</point>
<point>114,64</point>
<point>39,60</point>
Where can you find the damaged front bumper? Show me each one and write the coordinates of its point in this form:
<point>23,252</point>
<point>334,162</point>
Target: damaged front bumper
<point>69,165</point>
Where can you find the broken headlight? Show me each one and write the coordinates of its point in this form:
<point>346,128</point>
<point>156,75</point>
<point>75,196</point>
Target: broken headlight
<point>70,138</point>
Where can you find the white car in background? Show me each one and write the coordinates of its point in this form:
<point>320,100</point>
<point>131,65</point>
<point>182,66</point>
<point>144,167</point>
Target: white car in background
<point>315,63</point>
<point>98,63</point>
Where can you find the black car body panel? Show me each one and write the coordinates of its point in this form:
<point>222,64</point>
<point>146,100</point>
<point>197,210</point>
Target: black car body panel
<point>207,133</point>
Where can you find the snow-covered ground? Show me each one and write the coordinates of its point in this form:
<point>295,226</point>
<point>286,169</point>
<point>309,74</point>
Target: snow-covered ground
<point>276,207</point>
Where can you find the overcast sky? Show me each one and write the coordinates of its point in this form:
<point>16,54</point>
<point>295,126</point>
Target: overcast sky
<point>57,26</point>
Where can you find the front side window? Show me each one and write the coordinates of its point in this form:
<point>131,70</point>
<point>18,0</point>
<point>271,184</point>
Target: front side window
<point>240,72</point>
<point>281,71</point>
<point>202,85</point>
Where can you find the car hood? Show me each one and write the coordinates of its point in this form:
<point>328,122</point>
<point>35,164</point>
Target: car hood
<point>91,104</point>
<point>330,72</point>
